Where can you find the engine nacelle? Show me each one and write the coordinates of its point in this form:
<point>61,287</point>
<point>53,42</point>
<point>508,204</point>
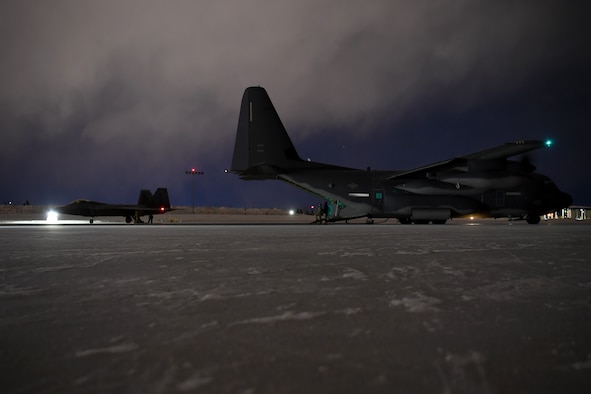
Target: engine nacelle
<point>484,180</point>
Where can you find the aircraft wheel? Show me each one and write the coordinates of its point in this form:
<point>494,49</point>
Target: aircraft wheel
<point>421,221</point>
<point>91,221</point>
<point>405,220</point>
<point>128,219</point>
<point>442,221</point>
<point>533,219</point>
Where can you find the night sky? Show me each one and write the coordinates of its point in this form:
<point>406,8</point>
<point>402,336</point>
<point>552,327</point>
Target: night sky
<point>99,99</point>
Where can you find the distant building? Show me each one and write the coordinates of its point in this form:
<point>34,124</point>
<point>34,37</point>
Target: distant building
<point>577,212</point>
<point>580,212</point>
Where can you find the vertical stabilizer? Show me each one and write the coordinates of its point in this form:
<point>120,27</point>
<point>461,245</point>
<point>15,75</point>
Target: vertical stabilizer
<point>145,197</point>
<point>261,139</point>
<point>160,199</point>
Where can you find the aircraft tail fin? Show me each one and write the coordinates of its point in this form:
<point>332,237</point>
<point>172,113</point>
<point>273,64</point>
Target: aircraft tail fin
<point>145,197</point>
<point>158,200</point>
<point>262,148</point>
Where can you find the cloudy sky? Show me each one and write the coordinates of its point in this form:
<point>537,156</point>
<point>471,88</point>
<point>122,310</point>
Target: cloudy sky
<point>99,99</point>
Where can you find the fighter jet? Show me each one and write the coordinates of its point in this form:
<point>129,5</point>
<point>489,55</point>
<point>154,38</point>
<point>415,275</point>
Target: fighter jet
<point>484,183</point>
<point>147,204</point>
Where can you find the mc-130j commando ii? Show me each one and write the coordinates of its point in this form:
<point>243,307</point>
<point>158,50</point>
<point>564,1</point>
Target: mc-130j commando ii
<point>485,183</point>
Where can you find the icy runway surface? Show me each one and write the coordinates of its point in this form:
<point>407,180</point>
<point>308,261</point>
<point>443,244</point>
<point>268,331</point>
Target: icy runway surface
<point>295,309</point>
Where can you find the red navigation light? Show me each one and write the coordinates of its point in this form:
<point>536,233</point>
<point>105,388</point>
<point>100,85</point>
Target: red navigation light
<point>193,170</point>
<point>161,209</point>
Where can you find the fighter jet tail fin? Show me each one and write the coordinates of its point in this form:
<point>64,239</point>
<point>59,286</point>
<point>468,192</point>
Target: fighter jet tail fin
<point>262,148</point>
<point>158,200</point>
<point>145,197</point>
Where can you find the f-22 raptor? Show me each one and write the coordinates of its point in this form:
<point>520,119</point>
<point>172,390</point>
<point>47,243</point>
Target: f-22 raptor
<point>147,204</point>
<point>484,183</point>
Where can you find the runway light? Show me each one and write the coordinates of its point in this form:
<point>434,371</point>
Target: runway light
<point>52,217</point>
<point>291,212</point>
<point>548,143</point>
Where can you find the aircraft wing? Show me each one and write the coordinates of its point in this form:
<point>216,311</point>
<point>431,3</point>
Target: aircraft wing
<point>460,163</point>
<point>507,150</point>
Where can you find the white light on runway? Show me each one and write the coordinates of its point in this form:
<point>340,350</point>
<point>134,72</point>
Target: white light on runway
<point>52,217</point>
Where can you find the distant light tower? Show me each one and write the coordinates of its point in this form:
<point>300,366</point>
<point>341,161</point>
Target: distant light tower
<point>194,172</point>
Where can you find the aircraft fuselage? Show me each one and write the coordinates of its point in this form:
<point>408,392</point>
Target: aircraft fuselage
<point>371,193</point>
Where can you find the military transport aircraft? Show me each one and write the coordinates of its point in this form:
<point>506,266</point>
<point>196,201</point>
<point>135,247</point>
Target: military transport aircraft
<point>147,204</point>
<point>483,183</point>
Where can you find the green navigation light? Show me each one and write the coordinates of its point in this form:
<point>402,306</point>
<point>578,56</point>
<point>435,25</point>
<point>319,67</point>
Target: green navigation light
<point>548,143</point>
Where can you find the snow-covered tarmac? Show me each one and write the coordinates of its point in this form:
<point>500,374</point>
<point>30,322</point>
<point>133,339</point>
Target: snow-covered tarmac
<point>459,308</point>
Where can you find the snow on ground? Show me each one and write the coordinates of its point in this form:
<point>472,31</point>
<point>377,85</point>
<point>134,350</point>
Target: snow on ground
<point>492,308</point>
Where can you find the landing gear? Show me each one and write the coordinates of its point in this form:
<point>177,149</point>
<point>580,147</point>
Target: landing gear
<point>91,221</point>
<point>533,219</point>
<point>405,220</point>
<point>128,219</point>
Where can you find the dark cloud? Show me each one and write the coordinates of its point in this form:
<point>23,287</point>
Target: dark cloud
<point>100,99</point>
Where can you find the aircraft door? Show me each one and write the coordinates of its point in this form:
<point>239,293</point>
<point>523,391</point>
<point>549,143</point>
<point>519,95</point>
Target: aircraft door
<point>378,199</point>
